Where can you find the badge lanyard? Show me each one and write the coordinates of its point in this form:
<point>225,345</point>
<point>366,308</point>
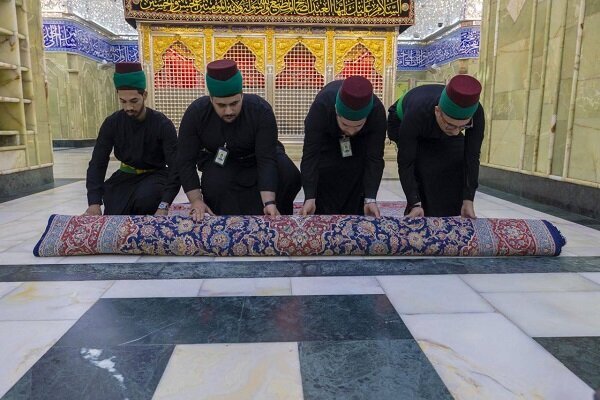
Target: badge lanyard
<point>222,152</point>
<point>345,146</point>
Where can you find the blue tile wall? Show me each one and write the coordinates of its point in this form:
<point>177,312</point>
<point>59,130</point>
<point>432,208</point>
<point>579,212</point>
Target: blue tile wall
<point>70,36</point>
<point>462,43</point>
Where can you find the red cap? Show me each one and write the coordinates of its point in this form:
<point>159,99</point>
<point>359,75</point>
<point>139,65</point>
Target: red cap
<point>221,70</point>
<point>123,68</point>
<point>356,92</point>
<point>463,90</point>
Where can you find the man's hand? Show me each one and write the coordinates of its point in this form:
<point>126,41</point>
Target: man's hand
<point>93,209</point>
<point>161,212</point>
<point>309,207</point>
<point>271,210</point>
<point>371,210</point>
<point>416,212</point>
<point>467,210</point>
<point>199,209</point>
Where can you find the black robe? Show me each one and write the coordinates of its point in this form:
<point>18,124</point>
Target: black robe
<point>439,170</point>
<point>339,184</point>
<point>147,145</point>
<point>256,161</point>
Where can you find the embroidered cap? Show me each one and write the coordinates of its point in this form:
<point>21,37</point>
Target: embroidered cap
<point>129,76</point>
<point>354,100</point>
<point>223,79</point>
<point>460,97</point>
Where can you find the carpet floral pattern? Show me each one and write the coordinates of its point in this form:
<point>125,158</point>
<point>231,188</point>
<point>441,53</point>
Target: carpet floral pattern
<point>296,235</point>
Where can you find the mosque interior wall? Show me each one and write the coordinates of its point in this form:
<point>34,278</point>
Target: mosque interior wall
<point>541,83</point>
<point>80,96</point>
<point>25,144</point>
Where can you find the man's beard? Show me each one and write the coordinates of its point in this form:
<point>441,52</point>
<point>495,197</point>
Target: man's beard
<point>135,114</point>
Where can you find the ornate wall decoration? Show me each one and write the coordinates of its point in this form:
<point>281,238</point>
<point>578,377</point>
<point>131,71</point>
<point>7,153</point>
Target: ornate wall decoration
<point>70,36</point>
<point>344,47</point>
<point>255,44</point>
<point>332,12</point>
<point>178,69</point>
<point>315,46</point>
<point>300,70</point>
<point>462,43</point>
<point>160,44</point>
<point>253,78</point>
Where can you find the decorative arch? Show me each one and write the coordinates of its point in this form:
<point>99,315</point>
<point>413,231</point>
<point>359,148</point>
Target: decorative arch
<point>299,71</point>
<point>178,69</point>
<point>359,60</point>
<point>246,61</point>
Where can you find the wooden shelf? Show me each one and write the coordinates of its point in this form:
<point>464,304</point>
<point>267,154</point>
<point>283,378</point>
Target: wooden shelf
<point>4,65</point>
<point>9,133</point>
<point>26,101</point>
<point>9,100</point>
<point>24,69</point>
<point>11,148</point>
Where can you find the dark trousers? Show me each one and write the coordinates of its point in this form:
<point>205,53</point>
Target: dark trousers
<point>340,189</point>
<point>439,170</point>
<point>233,188</point>
<point>130,194</point>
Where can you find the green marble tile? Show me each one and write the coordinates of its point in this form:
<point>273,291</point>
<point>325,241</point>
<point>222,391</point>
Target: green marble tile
<point>368,369</point>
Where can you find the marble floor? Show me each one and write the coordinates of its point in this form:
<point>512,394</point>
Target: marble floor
<point>130,327</point>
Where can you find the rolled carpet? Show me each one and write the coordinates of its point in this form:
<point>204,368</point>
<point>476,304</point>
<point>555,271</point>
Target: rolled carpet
<point>329,235</point>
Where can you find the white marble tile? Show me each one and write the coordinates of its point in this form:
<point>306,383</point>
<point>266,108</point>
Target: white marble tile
<point>51,300</point>
<point>154,288</point>
<point>22,343</point>
<point>335,285</point>
<point>232,371</point>
<point>432,294</point>
<point>170,259</point>
<point>543,282</point>
<point>246,287</point>
<point>25,257</point>
<point>251,259</point>
<point>10,216</point>
<point>484,356</point>
<point>8,244</point>
<point>7,287</point>
<point>17,230</point>
<point>551,313</point>
<point>592,276</point>
<point>587,251</point>
<point>100,259</point>
<point>25,246</point>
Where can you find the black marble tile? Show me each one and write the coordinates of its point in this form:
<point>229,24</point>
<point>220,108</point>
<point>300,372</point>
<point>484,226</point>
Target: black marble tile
<point>262,269</point>
<point>128,372</point>
<point>368,369</point>
<point>21,189</point>
<point>580,354</point>
<point>580,216</point>
<point>112,322</point>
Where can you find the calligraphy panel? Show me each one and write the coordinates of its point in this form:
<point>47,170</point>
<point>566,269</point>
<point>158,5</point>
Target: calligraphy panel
<point>331,12</point>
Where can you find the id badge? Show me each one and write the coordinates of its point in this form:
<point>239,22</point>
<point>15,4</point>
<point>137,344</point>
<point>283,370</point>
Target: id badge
<point>346,147</point>
<point>221,156</point>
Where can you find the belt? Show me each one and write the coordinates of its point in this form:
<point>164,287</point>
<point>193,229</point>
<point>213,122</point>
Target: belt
<point>131,170</point>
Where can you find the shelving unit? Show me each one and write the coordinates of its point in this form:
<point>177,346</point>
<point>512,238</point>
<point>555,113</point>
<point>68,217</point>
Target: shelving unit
<point>19,145</point>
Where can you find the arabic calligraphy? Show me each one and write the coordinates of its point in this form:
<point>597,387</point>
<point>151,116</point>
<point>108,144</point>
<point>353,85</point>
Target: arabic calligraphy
<point>309,8</point>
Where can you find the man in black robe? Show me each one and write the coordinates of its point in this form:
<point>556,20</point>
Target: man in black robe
<point>145,141</point>
<point>438,164</point>
<point>231,137</point>
<point>342,158</point>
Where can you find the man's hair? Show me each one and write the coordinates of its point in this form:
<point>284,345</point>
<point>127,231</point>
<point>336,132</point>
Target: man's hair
<point>140,91</point>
